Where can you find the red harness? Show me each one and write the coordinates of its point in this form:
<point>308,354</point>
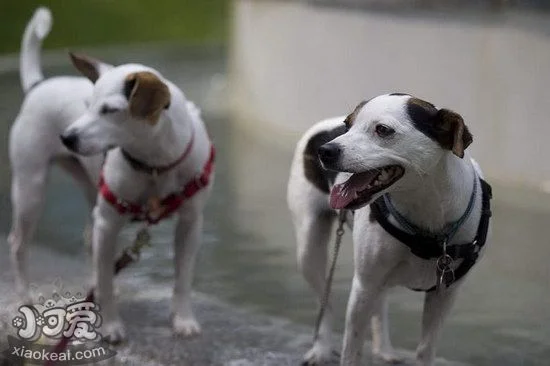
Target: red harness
<point>169,204</point>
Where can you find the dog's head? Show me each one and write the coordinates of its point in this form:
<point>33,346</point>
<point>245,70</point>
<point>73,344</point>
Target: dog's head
<point>126,105</point>
<point>392,142</point>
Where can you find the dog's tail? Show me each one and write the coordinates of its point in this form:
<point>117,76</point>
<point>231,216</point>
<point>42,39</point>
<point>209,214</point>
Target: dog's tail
<point>30,69</point>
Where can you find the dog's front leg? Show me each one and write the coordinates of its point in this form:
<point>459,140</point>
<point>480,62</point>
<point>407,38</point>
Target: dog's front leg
<point>107,224</point>
<point>363,300</point>
<point>381,344</point>
<point>436,308</point>
<point>187,243</point>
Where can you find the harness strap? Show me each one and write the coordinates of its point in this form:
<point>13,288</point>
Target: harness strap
<point>170,203</point>
<point>448,231</point>
<point>429,247</point>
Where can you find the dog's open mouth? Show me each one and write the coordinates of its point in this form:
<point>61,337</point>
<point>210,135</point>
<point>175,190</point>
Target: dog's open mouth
<point>360,187</point>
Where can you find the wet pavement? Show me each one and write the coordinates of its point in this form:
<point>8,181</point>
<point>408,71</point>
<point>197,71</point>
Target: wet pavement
<point>232,335</point>
<point>254,306</point>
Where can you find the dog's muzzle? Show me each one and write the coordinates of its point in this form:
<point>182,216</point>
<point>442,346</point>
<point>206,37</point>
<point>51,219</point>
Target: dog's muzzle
<point>70,141</point>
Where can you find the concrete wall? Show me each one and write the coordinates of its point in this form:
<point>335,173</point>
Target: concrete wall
<point>294,63</point>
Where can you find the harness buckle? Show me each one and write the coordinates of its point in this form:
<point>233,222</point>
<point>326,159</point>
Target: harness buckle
<point>475,246</point>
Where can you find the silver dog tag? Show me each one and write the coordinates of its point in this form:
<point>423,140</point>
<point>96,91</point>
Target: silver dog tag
<point>444,272</point>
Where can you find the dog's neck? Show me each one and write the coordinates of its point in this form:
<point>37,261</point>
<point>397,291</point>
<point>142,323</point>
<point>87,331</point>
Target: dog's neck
<point>168,143</point>
<point>440,197</point>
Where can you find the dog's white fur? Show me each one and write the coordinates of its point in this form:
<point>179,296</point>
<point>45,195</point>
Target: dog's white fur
<point>434,190</point>
<point>72,106</point>
<point>34,143</point>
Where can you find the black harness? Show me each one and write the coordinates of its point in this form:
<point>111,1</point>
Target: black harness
<point>429,247</point>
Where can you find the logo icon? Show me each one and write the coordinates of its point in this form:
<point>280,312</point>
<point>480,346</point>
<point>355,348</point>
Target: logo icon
<point>40,327</point>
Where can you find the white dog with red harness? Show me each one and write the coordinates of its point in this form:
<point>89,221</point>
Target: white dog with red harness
<point>159,161</point>
<point>420,210</point>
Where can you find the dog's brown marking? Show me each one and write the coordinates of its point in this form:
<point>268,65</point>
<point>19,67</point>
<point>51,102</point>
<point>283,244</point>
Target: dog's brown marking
<point>88,66</point>
<point>350,119</point>
<point>313,170</point>
<point>443,125</point>
<point>456,136</point>
<point>147,95</point>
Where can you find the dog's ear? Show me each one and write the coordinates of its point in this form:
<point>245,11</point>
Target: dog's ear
<point>89,67</point>
<point>350,119</point>
<point>147,95</point>
<point>453,133</point>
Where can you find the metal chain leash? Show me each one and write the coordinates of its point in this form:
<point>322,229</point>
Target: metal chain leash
<point>130,255</point>
<point>328,282</point>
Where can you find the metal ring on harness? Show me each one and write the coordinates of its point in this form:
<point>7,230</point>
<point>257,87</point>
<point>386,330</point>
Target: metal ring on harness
<point>444,263</point>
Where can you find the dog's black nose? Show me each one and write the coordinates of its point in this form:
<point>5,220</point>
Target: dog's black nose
<point>329,153</point>
<point>69,140</point>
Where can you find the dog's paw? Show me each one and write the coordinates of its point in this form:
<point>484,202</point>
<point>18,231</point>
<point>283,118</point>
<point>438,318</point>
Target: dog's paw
<point>186,327</point>
<point>319,354</point>
<point>388,356</point>
<point>113,332</point>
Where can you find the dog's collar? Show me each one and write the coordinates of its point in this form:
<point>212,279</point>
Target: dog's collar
<point>157,170</point>
<point>450,229</point>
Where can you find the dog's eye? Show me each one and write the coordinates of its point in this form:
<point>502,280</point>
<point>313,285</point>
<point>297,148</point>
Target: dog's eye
<point>105,109</point>
<point>384,131</point>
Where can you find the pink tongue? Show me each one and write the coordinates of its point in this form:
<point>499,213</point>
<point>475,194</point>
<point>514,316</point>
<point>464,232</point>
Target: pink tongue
<point>343,194</point>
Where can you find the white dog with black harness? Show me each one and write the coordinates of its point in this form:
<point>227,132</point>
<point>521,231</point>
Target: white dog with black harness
<point>159,161</point>
<point>398,169</point>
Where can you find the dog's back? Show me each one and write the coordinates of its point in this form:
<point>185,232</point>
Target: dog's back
<point>50,105</point>
<point>309,181</point>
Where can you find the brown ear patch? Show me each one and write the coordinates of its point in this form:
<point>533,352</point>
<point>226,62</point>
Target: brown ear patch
<point>456,136</point>
<point>147,96</point>
<point>444,126</point>
<point>350,119</point>
<point>88,66</point>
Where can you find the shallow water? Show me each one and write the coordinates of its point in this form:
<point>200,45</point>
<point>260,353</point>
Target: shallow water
<point>502,316</point>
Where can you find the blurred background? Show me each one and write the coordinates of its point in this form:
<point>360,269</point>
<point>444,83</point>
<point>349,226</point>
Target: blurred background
<point>263,72</point>
<point>110,22</point>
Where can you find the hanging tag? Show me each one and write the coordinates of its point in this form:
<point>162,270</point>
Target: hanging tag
<point>444,272</point>
<point>444,278</point>
<point>155,209</point>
